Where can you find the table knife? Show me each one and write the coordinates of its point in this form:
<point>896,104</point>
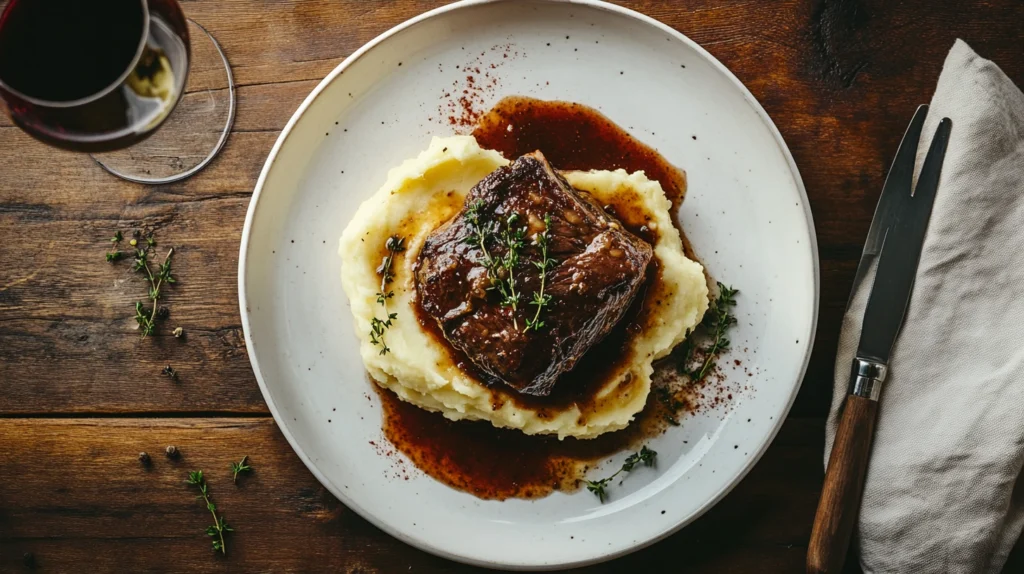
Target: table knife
<point>893,248</point>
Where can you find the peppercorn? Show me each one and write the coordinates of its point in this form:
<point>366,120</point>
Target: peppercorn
<point>162,312</point>
<point>172,452</point>
<point>29,560</point>
<point>144,458</point>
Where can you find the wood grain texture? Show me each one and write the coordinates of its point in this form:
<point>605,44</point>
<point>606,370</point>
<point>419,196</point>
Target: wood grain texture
<point>81,496</point>
<point>839,504</point>
<point>840,78</point>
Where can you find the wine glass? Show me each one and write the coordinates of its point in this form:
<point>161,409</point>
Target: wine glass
<point>101,76</point>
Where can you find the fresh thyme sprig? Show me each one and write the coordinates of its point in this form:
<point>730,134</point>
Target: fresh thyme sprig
<point>146,318</point>
<point>645,456</point>
<point>717,320</point>
<point>219,527</point>
<point>116,254</point>
<point>482,233</point>
<point>394,244</point>
<point>500,270</point>
<point>541,299</point>
<point>513,239</point>
<point>239,467</point>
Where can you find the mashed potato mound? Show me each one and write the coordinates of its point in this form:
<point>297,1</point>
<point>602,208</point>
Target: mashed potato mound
<point>427,190</point>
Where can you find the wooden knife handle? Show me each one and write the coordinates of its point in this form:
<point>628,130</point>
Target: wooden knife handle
<point>844,485</point>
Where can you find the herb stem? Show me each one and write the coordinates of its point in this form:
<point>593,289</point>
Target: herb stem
<point>482,241</point>
<point>394,244</point>
<point>644,456</point>
<point>219,527</point>
<point>146,320</point>
<point>155,294</point>
<point>213,512</point>
<point>540,300</point>
<point>239,467</point>
<point>514,297</point>
<point>536,316</point>
<point>720,319</point>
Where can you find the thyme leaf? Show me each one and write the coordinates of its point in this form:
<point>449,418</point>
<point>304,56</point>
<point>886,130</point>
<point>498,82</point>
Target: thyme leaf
<point>196,478</point>
<point>394,244</point>
<point>239,467</point>
<point>500,269</point>
<point>644,456</point>
<point>541,299</point>
<point>717,320</point>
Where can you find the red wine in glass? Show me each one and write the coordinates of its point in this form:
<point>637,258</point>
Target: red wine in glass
<point>92,75</point>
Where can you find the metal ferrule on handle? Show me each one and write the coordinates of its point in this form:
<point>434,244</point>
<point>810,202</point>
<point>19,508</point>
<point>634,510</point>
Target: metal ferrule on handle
<point>868,377</point>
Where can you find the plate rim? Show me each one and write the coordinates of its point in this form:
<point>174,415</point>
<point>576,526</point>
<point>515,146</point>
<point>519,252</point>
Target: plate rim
<point>352,503</point>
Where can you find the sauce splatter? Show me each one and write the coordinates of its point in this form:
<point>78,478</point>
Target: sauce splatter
<point>463,103</point>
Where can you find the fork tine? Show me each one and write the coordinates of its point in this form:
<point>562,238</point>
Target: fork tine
<point>897,184</point>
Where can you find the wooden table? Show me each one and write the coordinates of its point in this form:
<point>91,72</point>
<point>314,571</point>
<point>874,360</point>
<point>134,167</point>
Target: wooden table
<point>81,395</point>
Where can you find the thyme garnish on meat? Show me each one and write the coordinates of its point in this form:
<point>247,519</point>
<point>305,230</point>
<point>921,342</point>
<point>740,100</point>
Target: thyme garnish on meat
<point>219,527</point>
<point>513,239</point>
<point>394,244</point>
<point>500,270</point>
<point>645,456</point>
<point>540,298</point>
<point>482,233</point>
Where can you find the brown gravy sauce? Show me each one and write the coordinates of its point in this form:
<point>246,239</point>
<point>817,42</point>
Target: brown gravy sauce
<point>500,463</point>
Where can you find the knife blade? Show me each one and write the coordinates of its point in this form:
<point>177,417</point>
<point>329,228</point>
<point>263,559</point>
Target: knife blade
<point>900,254</point>
<point>896,239</point>
<point>893,196</point>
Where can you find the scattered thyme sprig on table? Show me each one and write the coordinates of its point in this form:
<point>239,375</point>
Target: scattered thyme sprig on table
<point>163,275</point>
<point>116,254</point>
<point>500,270</point>
<point>645,456</point>
<point>239,467</point>
<point>394,244</point>
<point>541,299</point>
<point>219,527</point>
<point>146,318</point>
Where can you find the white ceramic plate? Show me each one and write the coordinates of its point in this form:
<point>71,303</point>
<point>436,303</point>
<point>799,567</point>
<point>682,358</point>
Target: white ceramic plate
<point>746,213</point>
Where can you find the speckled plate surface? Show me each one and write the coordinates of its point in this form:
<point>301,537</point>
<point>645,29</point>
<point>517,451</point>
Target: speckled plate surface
<point>746,214</point>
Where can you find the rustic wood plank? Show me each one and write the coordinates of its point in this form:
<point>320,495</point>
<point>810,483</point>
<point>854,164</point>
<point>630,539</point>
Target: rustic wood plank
<point>81,497</point>
<point>840,78</point>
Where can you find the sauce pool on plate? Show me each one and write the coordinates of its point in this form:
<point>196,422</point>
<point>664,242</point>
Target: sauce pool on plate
<point>495,463</point>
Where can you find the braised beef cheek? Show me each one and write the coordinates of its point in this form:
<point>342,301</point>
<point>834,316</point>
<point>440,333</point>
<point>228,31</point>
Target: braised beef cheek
<point>596,272</point>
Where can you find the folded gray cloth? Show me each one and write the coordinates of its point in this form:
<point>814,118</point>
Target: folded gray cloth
<point>942,492</point>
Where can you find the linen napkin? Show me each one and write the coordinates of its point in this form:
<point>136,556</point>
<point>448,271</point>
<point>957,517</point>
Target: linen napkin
<point>942,492</point>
